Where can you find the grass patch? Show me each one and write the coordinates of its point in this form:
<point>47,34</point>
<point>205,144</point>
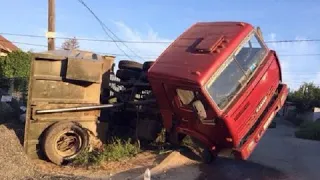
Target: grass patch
<point>114,151</point>
<point>309,130</point>
<point>159,145</point>
<point>187,141</point>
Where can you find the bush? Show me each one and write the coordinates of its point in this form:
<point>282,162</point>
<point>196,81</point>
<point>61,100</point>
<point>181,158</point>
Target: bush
<point>297,120</point>
<point>309,130</point>
<point>114,151</point>
<point>16,64</point>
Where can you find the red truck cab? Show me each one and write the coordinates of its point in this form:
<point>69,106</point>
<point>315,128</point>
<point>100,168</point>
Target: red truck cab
<point>219,83</point>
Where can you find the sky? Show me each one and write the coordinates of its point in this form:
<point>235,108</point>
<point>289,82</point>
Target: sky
<point>165,20</point>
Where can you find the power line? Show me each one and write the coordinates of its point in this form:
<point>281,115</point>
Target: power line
<point>142,42</point>
<point>87,39</point>
<point>295,40</point>
<point>307,72</point>
<point>147,56</point>
<point>24,43</point>
<point>300,54</point>
<point>104,27</point>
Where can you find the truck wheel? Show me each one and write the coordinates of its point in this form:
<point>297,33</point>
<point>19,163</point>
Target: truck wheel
<point>64,141</point>
<point>147,65</point>
<point>204,152</point>
<point>206,156</point>
<point>132,65</point>
<point>127,74</point>
<point>226,153</point>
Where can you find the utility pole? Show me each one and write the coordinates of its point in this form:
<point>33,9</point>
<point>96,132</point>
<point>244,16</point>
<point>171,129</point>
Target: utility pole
<point>51,24</point>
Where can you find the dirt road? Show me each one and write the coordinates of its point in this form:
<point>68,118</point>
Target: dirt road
<point>279,155</point>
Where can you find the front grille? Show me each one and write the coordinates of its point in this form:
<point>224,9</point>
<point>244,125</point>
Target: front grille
<point>256,124</point>
<point>245,107</point>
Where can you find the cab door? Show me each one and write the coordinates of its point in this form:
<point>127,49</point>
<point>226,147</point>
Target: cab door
<point>191,106</point>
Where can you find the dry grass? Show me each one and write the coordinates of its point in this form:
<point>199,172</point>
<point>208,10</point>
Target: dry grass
<point>113,151</point>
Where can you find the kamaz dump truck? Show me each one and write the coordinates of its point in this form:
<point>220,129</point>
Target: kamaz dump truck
<point>218,83</point>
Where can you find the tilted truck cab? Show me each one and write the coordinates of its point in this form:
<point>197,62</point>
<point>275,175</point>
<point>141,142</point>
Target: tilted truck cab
<point>219,83</point>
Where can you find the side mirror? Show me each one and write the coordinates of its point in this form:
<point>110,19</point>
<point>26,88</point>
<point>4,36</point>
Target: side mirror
<point>200,110</point>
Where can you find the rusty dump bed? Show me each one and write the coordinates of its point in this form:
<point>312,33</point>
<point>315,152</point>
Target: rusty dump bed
<point>62,79</point>
<point>189,58</point>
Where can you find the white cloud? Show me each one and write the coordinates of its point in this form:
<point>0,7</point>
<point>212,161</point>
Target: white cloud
<point>146,50</point>
<point>297,67</point>
<point>136,51</point>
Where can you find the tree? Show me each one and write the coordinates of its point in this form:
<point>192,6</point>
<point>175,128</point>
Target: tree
<point>306,97</point>
<point>71,44</point>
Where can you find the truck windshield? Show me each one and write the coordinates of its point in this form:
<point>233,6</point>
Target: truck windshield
<point>236,72</point>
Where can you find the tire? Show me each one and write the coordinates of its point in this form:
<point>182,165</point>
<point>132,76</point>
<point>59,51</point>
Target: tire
<point>227,153</point>
<point>60,130</point>
<point>147,65</point>
<point>206,156</point>
<point>204,152</point>
<point>131,65</point>
<point>126,74</point>
<point>175,139</point>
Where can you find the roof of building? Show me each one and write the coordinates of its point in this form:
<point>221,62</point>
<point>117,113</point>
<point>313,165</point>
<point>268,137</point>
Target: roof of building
<point>6,45</point>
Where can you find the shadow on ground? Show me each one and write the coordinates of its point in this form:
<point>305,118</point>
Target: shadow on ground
<point>222,168</point>
<point>18,129</point>
<point>229,169</point>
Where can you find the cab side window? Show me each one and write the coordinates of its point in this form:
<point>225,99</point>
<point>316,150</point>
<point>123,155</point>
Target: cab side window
<point>193,101</point>
<point>186,97</point>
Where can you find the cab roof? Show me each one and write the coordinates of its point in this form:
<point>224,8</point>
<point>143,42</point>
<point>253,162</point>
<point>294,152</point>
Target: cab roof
<point>196,54</point>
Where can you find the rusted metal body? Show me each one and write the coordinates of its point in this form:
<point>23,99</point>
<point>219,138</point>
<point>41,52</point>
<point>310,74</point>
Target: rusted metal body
<point>63,79</point>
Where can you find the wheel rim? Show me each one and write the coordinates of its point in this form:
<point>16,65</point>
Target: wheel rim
<point>68,144</point>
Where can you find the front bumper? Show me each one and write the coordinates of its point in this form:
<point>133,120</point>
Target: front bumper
<point>247,148</point>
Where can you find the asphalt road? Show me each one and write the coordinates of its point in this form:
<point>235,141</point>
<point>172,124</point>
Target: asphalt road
<point>279,155</point>
<point>298,158</point>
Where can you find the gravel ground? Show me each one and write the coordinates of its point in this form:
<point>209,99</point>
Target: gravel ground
<point>14,162</point>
